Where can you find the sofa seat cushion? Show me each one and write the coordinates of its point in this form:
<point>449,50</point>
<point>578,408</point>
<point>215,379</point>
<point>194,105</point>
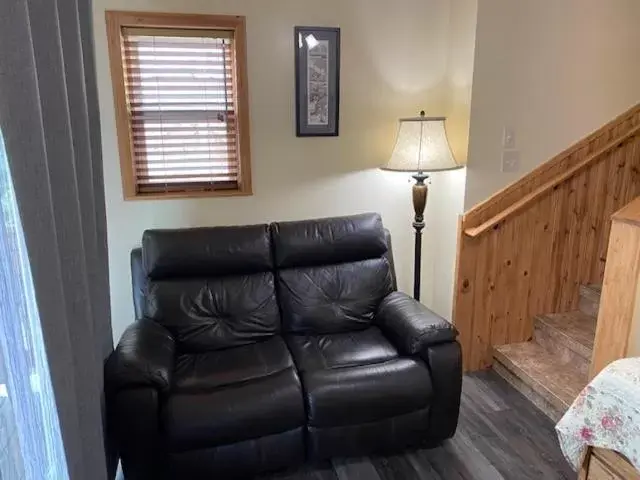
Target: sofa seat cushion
<point>366,393</point>
<point>238,412</point>
<point>201,372</point>
<point>317,352</point>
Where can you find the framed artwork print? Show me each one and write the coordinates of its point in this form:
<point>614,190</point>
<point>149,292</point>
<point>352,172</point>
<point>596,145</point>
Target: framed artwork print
<point>317,65</point>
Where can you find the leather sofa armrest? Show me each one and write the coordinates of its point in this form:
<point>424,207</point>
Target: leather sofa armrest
<point>144,357</point>
<point>412,326</point>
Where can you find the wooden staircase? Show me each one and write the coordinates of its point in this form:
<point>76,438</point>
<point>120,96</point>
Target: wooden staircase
<point>527,250</point>
<point>552,368</point>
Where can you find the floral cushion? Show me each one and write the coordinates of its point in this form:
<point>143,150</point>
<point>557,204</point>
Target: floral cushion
<point>606,414</point>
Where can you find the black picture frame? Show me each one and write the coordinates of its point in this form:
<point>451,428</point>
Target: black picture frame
<point>324,98</point>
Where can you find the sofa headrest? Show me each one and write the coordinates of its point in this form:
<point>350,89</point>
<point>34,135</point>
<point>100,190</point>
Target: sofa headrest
<point>211,251</point>
<point>328,240</point>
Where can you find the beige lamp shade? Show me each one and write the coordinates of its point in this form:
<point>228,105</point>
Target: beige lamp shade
<point>422,146</point>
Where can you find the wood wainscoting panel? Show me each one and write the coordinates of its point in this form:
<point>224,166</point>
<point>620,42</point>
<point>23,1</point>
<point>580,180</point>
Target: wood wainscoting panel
<point>533,259</point>
<point>618,301</point>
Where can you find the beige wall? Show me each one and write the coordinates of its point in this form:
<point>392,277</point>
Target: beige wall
<point>450,186</point>
<point>395,61</point>
<point>555,71</point>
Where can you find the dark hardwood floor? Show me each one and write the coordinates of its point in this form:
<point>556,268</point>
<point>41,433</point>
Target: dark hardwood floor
<point>501,436</point>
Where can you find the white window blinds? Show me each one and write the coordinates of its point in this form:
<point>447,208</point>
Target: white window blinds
<point>181,98</point>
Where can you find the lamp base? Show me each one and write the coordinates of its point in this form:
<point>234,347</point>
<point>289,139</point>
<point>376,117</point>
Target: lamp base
<point>420,193</point>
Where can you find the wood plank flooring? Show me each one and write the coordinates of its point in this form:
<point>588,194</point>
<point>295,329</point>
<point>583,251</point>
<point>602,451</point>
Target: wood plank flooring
<point>501,436</point>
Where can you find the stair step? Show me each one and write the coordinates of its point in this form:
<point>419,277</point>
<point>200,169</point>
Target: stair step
<point>551,384</point>
<point>569,336</point>
<point>590,299</point>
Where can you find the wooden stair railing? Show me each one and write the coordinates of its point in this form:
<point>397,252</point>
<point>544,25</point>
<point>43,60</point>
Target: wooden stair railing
<point>527,249</point>
<point>546,187</point>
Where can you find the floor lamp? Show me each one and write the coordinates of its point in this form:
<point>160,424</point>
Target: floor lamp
<point>421,147</point>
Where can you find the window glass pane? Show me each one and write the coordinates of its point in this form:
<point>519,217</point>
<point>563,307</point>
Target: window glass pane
<point>30,441</point>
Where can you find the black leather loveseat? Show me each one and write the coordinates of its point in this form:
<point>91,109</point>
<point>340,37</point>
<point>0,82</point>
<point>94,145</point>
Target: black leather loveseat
<point>259,346</point>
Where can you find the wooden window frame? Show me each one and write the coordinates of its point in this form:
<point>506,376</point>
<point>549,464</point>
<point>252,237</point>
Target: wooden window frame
<point>116,21</point>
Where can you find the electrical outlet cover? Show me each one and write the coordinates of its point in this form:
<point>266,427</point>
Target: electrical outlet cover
<point>510,161</point>
<point>509,138</point>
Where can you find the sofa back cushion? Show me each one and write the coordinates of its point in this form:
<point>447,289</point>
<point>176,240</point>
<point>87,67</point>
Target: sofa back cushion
<point>213,288</point>
<point>210,251</point>
<point>331,273</point>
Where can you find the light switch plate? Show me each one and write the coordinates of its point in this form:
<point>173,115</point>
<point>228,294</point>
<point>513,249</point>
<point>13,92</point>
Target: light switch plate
<point>509,138</point>
<point>510,161</point>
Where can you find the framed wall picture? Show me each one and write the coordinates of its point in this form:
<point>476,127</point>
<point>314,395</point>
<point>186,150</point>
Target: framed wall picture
<point>317,65</point>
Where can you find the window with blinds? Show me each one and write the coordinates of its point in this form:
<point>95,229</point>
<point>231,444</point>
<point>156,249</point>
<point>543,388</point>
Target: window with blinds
<point>182,96</point>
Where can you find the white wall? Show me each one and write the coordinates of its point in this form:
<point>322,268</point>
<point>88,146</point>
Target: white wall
<point>395,61</point>
<point>555,71</point>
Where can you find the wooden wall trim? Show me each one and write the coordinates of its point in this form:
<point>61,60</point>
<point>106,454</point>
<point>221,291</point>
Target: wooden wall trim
<point>548,186</point>
<point>618,302</point>
<point>116,21</point>
<point>512,193</point>
<point>533,260</point>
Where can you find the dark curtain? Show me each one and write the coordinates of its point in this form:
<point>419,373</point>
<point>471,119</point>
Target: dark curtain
<point>50,123</point>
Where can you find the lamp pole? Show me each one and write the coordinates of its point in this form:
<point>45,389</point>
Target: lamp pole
<point>420,191</point>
